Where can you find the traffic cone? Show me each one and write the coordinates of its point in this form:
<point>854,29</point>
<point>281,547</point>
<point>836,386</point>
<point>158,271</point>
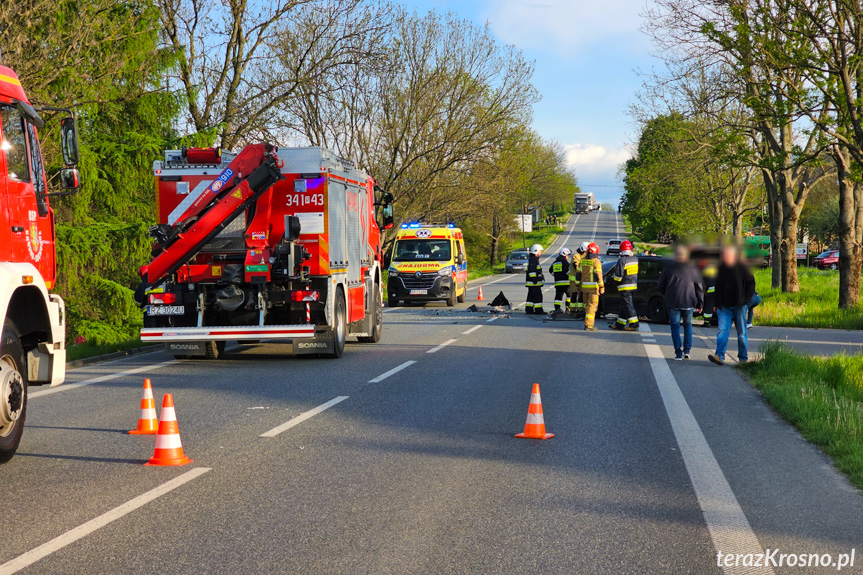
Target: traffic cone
<point>169,450</point>
<point>534,427</point>
<point>480,297</point>
<point>148,423</point>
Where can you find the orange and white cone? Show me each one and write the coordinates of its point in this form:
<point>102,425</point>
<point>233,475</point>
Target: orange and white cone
<point>479,297</point>
<point>148,423</point>
<point>169,449</point>
<point>534,427</point>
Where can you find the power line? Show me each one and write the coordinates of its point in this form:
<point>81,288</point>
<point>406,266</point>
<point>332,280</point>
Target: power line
<point>598,186</point>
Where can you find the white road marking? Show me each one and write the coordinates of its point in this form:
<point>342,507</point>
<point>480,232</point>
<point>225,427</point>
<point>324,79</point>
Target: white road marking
<point>441,346</point>
<point>393,371</point>
<point>595,225</point>
<point>100,379</point>
<point>42,551</point>
<point>304,416</point>
<point>727,524</point>
<point>471,330</point>
<point>492,319</point>
<point>617,224</point>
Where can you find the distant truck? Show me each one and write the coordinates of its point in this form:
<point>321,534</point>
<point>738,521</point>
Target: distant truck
<point>33,340</point>
<point>266,244</point>
<point>583,203</point>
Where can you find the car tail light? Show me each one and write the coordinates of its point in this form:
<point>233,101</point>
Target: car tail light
<point>163,298</point>
<point>304,295</point>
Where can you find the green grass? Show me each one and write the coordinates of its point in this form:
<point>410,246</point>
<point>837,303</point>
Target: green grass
<point>74,352</point>
<point>821,397</point>
<point>816,305</point>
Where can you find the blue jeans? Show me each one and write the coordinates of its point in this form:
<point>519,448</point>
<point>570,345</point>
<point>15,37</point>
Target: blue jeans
<point>750,307</point>
<point>727,316</point>
<point>674,316</point>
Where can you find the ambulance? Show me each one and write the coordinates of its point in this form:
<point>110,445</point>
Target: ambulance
<point>427,263</point>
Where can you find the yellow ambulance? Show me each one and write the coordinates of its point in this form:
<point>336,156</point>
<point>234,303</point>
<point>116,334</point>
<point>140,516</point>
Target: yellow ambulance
<point>428,263</point>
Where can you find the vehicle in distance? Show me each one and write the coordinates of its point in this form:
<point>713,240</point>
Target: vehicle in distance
<point>827,260</point>
<point>516,261</point>
<point>648,301</point>
<point>428,263</point>
<point>583,203</point>
<point>612,247</point>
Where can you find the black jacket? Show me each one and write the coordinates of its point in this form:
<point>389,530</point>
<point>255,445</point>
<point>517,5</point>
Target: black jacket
<point>681,285</point>
<point>735,285</point>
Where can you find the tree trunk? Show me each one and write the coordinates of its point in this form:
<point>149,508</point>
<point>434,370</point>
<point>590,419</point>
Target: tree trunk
<point>775,213</point>
<point>850,227</point>
<point>788,249</point>
<point>495,240</point>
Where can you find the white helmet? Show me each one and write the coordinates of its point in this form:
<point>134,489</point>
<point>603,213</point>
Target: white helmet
<point>582,249</point>
<point>536,249</point>
<point>566,252</point>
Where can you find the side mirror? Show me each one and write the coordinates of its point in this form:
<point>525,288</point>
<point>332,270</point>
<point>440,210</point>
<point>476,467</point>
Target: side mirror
<point>29,114</point>
<point>292,228</point>
<point>459,259</point>
<point>70,179</point>
<point>69,141</point>
<point>388,217</point>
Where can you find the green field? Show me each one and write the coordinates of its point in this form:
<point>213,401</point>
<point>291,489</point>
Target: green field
<point>821,397</point>
<point>816,305</point>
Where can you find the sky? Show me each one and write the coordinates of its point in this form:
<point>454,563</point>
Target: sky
<point>588,56</point>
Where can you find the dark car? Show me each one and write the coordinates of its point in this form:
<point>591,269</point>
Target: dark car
<point>517,261</point>
<point>647,299</point>
<point>827,260</point>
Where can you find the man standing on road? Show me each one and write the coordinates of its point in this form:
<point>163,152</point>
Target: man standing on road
<point>680,283</point>
<point>560,270</point>
<point>534,281</point>
<point>735,286</point>
<point>626,276</point>
<point>576,302</point>
<point>592,285</point>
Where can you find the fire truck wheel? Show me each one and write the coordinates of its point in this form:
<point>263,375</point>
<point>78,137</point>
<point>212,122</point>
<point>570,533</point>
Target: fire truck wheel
<point>463,296</point>
<point>215,349</point>
<point>378,325</point>
<point>13,391</point>
<point>340,328</point>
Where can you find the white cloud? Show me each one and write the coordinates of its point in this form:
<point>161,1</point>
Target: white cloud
<point>563,25</point>
<point>594,160</point>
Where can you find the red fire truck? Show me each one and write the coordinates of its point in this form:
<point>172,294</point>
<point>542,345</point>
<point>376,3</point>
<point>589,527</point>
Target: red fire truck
<point>33,340</point>
<point>266,244</point>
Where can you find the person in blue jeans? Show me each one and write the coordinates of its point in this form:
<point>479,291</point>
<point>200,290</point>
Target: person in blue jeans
<point>681,285</point>
<point>750,309</point>
<point>735,286</point>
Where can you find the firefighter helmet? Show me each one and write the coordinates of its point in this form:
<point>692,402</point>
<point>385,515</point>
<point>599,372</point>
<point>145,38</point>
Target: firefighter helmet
<point>566,252</point>
<point>593,248</point>
<point>536,249</point>
<point>583,247</point>
<point>626,246</point>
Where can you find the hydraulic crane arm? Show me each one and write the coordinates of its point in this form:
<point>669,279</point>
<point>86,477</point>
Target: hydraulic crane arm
<point>222,202</point>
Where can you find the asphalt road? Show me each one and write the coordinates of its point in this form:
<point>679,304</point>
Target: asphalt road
<point>412,466</point>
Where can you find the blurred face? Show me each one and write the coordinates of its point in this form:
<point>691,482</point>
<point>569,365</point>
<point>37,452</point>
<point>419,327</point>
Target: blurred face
<point>729,256</point>
<point>681,254</point>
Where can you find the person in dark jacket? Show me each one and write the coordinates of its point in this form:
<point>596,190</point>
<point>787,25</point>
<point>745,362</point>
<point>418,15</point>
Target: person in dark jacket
<point>626,276</point>
<point>735,286</point>
<point>534,281</point>
<point>560,271</point>
<point>681,284</point>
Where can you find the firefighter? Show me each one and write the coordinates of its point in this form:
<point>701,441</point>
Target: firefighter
<point>576,302</point>
<point>560,270</point>
<point>708,273</point>
<point>626,276</point>
<point>534,281</point>
<point>591,284</point>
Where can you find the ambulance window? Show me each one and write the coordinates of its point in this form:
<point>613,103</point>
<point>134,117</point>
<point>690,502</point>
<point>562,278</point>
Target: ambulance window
<point>14,144</point>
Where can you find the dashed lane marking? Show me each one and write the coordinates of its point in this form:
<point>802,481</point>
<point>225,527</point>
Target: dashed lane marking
<point>391,372</point>
<point>727,524</point>
<point>471,330</point>
<point>93,525</point>
<point>303,417</point>
<point>100,379</point>
<point>492,319</point>
<point>441,346</point>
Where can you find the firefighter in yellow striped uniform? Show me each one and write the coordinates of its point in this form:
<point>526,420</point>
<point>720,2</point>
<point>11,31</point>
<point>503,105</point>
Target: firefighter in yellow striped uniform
<point>534,280</point>
<point>708,272</point>
<point>576,302</point>
<point>626,276</point>
<point>591,284</point>
<point>559,269</point>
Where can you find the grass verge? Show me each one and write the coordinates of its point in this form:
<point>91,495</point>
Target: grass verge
<point>86,350</point>
<point>816,305</point>
<point>821,397</point>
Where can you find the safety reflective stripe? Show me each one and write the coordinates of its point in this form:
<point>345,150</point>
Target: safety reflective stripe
<point>561,284</point>
<point>589,316</point>
<point>711,289</point>
<point>621,321</point>
<point>628,287</point>
<point>589,284</point>
<point>618,278</point>
<point>631,269</point>
<point>531,274</point>
<point>533,285</point>
<point>633,320</point>
<point>557,267</point>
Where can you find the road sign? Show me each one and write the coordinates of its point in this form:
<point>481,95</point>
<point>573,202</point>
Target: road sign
<point>524,223</point>
<point>802,251</point>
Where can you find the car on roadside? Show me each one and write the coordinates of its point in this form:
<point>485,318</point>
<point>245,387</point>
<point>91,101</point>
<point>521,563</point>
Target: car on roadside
<point>516,261</point>
<point>828,260</point>
<point>612,247</point>
<point>648,301</point>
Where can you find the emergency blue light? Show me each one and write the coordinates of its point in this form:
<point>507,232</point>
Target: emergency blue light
<point>450,226</point>
<point>404,226</point>
<point>415,225</point>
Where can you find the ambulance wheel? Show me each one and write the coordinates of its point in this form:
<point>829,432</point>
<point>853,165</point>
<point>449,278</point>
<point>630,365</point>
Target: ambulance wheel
<point>392,302</point>
<point>450,301</point>
<point>13,391</point>
<point>463,297</point>
<point>340,330</point>
<point>378,325</point>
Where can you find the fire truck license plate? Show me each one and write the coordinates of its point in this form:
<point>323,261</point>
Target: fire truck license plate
<point>166,310</point>
<point>419,292</point>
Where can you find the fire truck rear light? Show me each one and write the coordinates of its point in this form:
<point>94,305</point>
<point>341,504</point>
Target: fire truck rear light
<point>26,280</point>
<point>163,298</point>
<point>304,295</point>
